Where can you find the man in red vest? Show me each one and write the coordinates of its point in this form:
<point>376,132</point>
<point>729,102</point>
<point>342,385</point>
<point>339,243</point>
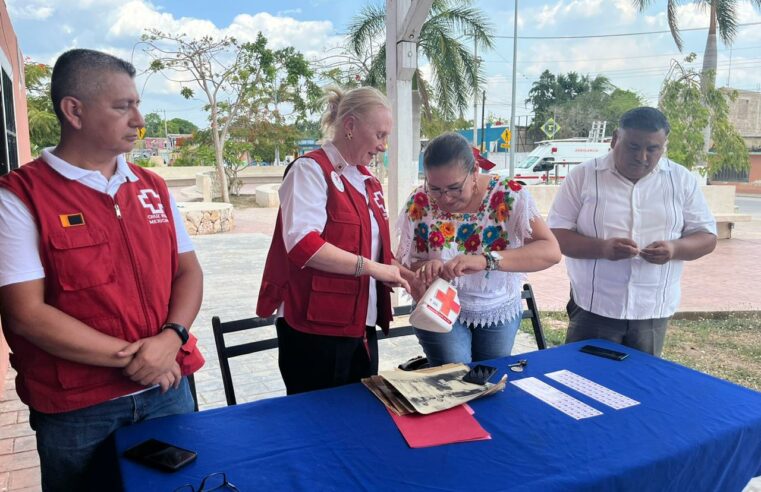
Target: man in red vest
<point>99,280</point>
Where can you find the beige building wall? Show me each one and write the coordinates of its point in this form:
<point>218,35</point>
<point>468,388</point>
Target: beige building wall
<point>745,114</point>
<point>12,63</point>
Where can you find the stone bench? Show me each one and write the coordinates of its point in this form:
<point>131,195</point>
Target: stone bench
<point>266,195</point>
<point>207,217</point>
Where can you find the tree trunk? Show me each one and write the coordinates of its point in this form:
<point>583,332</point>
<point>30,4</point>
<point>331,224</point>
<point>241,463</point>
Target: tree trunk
<point>219,155</point>
<point>708,75</point>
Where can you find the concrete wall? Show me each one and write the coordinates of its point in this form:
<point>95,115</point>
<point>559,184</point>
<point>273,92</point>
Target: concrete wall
<point>753,186</point>
<point>13,63</point>
<point>745,115</point>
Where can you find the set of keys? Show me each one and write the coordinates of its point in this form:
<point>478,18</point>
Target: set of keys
<point>518,366</point>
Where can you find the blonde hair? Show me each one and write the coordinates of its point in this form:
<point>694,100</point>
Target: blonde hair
<point>340,104</point>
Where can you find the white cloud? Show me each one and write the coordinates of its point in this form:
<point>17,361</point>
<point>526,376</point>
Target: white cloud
<point>33,12</point>
<point>562,11</point>
<point>133,18</point>
<point>309,37</point>
<point>548,15</point>
<point>283,13</point>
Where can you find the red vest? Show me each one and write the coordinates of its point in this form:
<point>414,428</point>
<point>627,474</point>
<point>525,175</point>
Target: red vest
<point>112,273</point>
<point>327,303</point>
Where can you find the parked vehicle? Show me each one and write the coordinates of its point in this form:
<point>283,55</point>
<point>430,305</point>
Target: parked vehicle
<point>551,160</point>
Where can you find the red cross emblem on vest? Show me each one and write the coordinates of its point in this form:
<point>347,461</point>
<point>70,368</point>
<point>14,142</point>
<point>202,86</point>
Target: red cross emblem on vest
<point>151,200</point>
<point>448,303</point>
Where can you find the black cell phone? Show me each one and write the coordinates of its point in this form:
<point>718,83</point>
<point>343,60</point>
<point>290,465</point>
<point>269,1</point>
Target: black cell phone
<point>603,352</point>
<point>159,454</point>
<point>479,374</point>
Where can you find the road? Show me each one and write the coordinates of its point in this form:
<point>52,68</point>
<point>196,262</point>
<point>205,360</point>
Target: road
<point>749,205</point>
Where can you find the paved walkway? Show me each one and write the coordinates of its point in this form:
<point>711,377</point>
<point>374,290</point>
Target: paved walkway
<point>726,280</point>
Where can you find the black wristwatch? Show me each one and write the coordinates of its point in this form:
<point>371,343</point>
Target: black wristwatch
<point>181,331</point>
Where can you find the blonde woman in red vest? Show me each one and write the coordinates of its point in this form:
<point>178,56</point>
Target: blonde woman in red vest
<point>480,232</point>
<point>330,269</point>
<point>99,281</point>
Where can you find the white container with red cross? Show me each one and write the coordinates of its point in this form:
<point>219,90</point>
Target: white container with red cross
<point>437,310</point>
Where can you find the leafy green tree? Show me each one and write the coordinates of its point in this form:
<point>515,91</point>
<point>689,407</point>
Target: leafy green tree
<point>234,78</point>
<point>181,126</point>
<point>154,125</point>
<point>575,101</point>
<point>690,108</point>
<point>438,124</point>
<point>44,128</point>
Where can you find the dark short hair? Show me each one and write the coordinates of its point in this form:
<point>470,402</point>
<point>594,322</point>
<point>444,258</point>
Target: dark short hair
<point>76,73</point>
<point>447,148</point>
<point>645,118</point>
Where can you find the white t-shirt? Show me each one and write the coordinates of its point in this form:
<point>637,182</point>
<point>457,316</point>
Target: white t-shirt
<point>18,229</point>
<point>596,201</point>
<point>303,205</point>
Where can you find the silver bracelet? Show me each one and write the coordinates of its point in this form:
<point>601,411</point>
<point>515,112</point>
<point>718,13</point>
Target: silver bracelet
<point>360,268</point>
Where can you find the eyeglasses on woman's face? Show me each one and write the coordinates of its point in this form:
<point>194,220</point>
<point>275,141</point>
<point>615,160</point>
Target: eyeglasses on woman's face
<point>454,191</point>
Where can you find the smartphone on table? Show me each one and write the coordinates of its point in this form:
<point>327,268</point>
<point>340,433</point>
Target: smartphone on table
<point>160,454</point>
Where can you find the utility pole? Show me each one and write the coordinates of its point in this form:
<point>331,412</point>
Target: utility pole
<point>166,133</point>
<point>514,134</point>
<point>481,147</point>
<point>475,93</point>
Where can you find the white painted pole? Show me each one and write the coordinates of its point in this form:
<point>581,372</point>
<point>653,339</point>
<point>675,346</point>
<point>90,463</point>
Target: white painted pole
<point>475,95</point>
<point>514,137</point>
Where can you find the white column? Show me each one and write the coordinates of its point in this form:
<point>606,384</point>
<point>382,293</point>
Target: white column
<point>401,61</point>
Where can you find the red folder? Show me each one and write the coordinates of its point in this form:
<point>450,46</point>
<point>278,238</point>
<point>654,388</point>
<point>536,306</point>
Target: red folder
<point>448,426</point>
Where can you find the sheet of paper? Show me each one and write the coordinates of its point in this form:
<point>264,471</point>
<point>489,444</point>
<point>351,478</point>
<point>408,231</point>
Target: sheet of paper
<point>556,398</point>
<point>445,427</point>
<point>591,389</point>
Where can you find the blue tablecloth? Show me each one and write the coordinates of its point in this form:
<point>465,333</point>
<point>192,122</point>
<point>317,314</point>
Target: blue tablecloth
<point>691,432</point>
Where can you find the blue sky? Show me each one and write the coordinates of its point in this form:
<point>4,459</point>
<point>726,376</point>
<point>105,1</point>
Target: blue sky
<point>46,28</point>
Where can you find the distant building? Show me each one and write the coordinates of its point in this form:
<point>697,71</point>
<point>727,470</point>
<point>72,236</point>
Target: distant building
<point>745,115</point>
<point>14,124</point>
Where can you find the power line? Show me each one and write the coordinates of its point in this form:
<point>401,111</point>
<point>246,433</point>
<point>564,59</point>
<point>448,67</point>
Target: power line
<point>618,35</point>
<point>654,55</point>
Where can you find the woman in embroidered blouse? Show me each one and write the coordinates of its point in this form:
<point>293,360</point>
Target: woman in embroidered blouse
<point>480,232</point>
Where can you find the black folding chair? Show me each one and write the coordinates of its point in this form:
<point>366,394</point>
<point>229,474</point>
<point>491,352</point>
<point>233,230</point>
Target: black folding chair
<point>225,352</point>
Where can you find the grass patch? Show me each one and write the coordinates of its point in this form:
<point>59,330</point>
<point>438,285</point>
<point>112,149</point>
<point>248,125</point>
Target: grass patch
<point>726,346</point>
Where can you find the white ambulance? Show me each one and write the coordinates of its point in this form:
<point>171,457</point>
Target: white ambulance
<point>551,160</point>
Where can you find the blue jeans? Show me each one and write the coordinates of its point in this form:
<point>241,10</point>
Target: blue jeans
<point>468,343</point>
<point>74,447</point>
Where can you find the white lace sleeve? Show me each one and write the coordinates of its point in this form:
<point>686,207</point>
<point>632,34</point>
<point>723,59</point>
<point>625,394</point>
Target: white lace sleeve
<point>519,223</point>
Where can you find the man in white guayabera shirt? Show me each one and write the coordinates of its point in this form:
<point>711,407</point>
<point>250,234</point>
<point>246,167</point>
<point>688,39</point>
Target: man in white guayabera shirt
<point>626,222</point>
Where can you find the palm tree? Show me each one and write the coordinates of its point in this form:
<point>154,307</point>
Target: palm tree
<point>723,17</point>
<point>455,72</point>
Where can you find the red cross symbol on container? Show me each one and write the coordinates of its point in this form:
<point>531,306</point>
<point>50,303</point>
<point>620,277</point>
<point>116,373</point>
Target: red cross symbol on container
<point>448,303</point>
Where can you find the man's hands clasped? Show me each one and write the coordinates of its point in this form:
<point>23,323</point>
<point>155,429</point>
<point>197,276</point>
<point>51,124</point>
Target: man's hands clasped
<point>152,360</point>
<point>618,248</point>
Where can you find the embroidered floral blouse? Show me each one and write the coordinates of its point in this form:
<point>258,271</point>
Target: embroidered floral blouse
<point>502,221</point>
